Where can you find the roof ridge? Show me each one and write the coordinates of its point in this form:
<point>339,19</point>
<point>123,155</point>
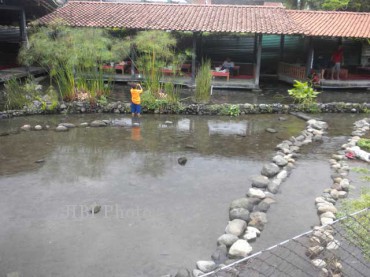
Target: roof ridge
<point>327,12</point>
<point>177,4</point>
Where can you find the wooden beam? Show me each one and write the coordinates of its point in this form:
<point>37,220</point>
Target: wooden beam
<point>10,8</point>
<point>258,60</point>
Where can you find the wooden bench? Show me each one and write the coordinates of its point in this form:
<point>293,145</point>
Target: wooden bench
<point>220,74</point>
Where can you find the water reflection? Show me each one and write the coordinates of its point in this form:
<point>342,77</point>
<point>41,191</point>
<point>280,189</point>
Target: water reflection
<point>227,127</point>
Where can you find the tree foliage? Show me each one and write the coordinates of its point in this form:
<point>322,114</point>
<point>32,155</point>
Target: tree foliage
<point>331,5</point>
<point>68,54</point>
<point>155,50</point>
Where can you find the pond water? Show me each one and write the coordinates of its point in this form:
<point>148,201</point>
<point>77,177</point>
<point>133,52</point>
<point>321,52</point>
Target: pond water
<point>156,215</point>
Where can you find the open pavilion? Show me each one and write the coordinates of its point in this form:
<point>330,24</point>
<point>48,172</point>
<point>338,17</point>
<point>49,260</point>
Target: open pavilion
<point>253,25</point>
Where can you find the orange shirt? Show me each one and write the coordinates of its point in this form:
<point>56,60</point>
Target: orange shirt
<point>135,95</point>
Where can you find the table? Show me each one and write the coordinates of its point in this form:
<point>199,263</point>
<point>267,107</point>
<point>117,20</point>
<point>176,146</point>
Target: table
<point>186,67</point>
<point>221,74</point>
<point>116,67</point>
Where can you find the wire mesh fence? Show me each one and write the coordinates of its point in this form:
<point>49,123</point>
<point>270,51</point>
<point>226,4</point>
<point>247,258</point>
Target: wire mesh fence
<point>338,249</point>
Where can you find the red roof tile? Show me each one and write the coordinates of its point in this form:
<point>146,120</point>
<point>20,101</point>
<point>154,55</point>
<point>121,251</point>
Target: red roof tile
<point>333,24</point>
<point>206,18</point>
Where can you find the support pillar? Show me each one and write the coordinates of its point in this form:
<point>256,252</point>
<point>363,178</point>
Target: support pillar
<point>193,58</point>
<point>258,60</point>
<point>282,44</point>
<point>23,28</point>
<point>310,56</point>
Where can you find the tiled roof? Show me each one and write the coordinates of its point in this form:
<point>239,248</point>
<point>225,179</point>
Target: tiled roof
<point>333,24</point>
<point>206,18</point>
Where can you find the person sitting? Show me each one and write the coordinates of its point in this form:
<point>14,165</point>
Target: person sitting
<point>228,65</point>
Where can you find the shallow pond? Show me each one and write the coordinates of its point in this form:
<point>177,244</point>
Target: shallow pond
<point>272,91</point>
<point>156,214</point>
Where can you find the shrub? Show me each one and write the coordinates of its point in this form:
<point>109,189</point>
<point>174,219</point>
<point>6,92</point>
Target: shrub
<point>231,110</point>
<point>303,93</point>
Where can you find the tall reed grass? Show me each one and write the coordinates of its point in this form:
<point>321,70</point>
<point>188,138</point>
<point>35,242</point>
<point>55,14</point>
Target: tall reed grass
<point>203,82</point>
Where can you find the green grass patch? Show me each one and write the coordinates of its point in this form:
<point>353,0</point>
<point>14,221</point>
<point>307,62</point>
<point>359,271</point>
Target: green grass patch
<point>364,144</point>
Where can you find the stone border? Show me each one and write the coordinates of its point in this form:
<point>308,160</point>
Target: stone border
<point>248,214</point>
<point>77,107</point>
<point>322,238</point>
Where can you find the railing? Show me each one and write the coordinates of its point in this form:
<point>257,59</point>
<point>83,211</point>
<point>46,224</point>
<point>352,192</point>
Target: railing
<point>296,72</point>
<point>337,247</point>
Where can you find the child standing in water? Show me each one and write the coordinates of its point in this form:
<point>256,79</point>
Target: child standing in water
<point>136,90</point>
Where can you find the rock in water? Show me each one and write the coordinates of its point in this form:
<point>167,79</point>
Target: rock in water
<point>182,160</point>
<point>61,128</point>
<point>95,208</point>
<point>271,130</point>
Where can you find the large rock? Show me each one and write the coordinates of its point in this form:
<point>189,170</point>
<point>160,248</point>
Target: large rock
<point>236,227</point>
<point>316,124</point>
<point>258,220</point>
<point>260,181</point>
<point>326,220</point>
<point>182,160</point>
<point>324,207</point>
<point>319,263</point>
<point>256,193</point>
<point>206,266</point>
<point>26,127</point>
<point>270,170</point>
<point>98,123</point>
<point>314,251</point>
<point>68,125</point>
<point>263,206</point>
<point>61,128</point>
<point>244,203</point>
<point>282,175</point>
<point>239,213</point>
<point>220,255</point>
<point>197,273</point>
<point>279,160</point>
<point>251,234</point>
<point>273,186</point>
<point>227,239</point>
<point>240,248</point>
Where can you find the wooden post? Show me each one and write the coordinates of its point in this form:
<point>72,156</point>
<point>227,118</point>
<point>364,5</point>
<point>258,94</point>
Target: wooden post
<point>22,28</point>
<point>282,43</point>
<point>310,56</point>
<point>193,58</point>
<point>258,61</point>
<point>132,54</point>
